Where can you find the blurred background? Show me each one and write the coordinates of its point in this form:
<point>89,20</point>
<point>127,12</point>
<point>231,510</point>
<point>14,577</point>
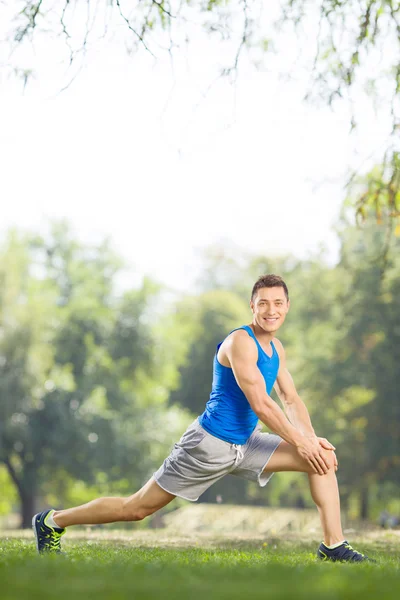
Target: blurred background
<point>156,158</point>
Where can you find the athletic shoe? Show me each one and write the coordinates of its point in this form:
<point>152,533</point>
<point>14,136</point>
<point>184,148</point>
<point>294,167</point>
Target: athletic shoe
<point>343,553</point>
<point>48,539</point>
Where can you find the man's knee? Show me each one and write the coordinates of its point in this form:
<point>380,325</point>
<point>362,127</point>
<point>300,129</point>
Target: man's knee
<point>135,513</point>
<point>329,458</point>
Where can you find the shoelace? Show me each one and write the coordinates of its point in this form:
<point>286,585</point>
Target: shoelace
<point>55,541</point>
<point>239,453</point>
<point>346,545</point>
<point>51,541</point>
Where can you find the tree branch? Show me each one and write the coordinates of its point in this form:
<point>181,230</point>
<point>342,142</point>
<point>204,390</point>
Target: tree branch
<point>13,475</point>
<point>138,35</point>
<point>243,41</point>
<point>34,11</point>
<point>164,10</point>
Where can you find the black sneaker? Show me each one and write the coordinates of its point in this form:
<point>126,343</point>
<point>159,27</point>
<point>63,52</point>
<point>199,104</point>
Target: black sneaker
<point>48,539</point>
<point>343,553</point>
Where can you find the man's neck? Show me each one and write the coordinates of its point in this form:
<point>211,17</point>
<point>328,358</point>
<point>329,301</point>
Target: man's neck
<point>261,335</point>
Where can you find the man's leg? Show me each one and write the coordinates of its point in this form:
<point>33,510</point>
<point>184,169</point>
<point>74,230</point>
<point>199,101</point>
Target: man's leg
<point>49,525</point>
<point>324,488</point>
<point>150,498</point>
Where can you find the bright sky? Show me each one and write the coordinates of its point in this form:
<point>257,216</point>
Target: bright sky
<point>136,153</point>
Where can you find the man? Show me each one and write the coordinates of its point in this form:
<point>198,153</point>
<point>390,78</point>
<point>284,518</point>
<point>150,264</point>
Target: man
<point>226,438</point>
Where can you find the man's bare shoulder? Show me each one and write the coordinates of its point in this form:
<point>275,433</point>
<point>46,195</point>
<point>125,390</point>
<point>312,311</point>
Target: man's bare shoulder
<point>238,337</point>
<point>239,342</point>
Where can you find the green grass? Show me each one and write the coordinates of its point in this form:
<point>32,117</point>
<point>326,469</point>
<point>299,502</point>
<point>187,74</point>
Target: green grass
<point>104,567</point>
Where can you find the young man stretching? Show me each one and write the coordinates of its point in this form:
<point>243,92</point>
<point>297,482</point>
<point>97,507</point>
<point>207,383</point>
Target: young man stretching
<point>226,438</point>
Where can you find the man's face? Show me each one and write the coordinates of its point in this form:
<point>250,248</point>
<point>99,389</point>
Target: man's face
<point>270,308</point>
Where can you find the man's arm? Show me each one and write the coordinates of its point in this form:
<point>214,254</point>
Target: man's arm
<point>242,354</point>
<point>294,406</point>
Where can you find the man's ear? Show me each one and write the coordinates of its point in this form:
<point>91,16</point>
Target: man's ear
<point>288,305</point>
<point>252,305</point>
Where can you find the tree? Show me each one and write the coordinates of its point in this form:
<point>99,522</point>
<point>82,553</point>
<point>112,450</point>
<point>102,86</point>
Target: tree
<point>353,53</point>
<point>79,380</point>
<point>356,56</point>
<point>344,339</point>
<point>373,344</point>
<point>8,492</point>
<point>213,315</point>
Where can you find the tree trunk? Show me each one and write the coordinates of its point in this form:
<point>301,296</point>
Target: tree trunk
<point>27,509</point>
<point>364,503</point>
<point>24,482</point>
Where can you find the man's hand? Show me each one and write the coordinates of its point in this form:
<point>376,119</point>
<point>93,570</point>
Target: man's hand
<point>328,446</point>
<point>311,450</point>
<point>325,444</point>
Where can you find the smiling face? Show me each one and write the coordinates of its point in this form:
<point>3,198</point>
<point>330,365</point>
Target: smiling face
<point>270,307</point>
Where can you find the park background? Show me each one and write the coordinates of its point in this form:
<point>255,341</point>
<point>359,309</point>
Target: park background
<point>146,184</point>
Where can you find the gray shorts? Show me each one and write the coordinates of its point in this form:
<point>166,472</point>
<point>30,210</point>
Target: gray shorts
<point>200,459</point>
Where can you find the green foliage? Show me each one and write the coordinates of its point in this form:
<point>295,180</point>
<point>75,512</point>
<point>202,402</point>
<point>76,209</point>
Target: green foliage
<point>79,375</point>
<point>378,193</point>
<point>8,497</point>
<point>214,314</point>
<point>347,356</point>
<point>95,387</point>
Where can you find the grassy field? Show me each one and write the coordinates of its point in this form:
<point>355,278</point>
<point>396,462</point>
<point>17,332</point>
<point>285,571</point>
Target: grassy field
<point>162,564</point>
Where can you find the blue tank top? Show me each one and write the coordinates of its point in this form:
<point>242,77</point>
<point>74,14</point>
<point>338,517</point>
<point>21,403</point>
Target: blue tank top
<point>228,414</point>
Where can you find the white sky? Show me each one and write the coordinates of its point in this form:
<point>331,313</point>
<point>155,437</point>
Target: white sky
<point>133,152</point>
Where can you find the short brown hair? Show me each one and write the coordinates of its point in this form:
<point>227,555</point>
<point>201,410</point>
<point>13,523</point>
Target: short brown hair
<point>269,281</point>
